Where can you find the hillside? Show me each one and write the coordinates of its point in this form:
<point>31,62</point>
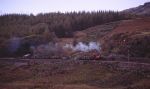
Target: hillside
<point>73,74</point>
<point>140,10</point>
<point>122,36</point>
<point>130,35</point>
<point>31,31</point>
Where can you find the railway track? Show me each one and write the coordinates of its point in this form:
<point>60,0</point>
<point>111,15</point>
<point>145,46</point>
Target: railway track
<point>119,64</point>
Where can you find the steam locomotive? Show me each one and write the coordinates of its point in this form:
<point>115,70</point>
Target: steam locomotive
<point>91,55</point>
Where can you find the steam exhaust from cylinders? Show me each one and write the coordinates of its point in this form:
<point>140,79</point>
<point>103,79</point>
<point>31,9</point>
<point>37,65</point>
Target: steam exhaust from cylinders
<point>84,47</point>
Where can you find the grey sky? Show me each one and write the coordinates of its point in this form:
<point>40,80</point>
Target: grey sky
<point>38,6</point>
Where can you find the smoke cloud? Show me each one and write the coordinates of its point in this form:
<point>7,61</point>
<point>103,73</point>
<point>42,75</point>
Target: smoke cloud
<point>47,50</point>
<point>84,47</point>
<point>14,44</point>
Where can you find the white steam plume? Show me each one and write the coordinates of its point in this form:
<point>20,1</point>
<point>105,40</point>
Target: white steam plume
<point>84,47</point>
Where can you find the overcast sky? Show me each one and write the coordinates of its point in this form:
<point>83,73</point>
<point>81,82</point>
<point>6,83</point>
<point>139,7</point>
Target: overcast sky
<point>44,6</point>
